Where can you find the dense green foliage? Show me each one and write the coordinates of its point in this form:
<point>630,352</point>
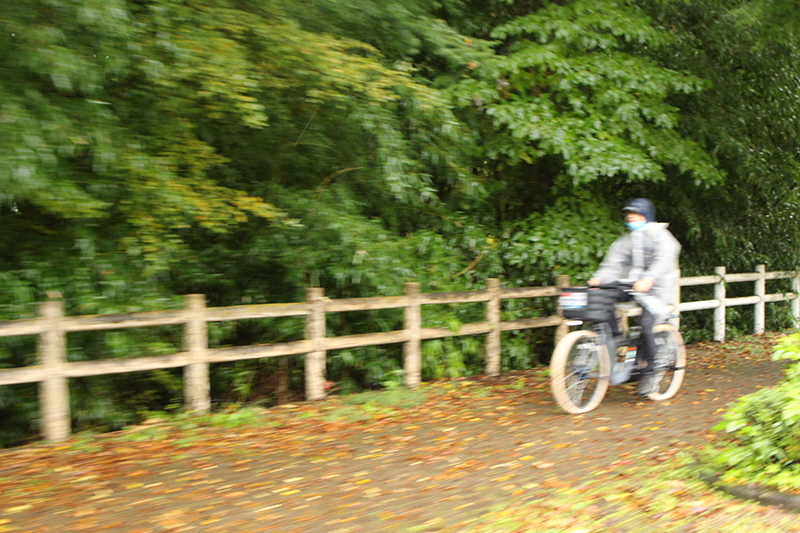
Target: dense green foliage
<point>765,429</point>
<point>250,149</point>
<point>746,120</point>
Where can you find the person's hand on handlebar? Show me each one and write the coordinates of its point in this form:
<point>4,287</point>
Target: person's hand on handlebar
<point>594,282</point>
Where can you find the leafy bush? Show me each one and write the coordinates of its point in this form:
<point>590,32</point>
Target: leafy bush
<point>765,429</point>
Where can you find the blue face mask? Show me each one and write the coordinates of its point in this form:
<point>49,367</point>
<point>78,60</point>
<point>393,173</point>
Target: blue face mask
<point>633,226</point>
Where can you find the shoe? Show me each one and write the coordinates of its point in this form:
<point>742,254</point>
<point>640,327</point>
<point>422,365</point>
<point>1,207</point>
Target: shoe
<point>647,385</point>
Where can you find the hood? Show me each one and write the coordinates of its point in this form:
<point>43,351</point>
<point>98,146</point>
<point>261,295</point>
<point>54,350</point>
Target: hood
<point>643,206</point>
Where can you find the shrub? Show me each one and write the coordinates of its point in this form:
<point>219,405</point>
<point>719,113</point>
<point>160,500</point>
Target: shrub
<point>764,429</point>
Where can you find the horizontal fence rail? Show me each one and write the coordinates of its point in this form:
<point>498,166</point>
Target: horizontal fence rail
<point>720,302</point>
<point>53,370</point>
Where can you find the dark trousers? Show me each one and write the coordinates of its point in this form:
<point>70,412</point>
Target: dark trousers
<point>647,346</point>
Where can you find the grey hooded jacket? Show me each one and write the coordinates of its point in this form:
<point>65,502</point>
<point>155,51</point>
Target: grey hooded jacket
<point>650,252</point>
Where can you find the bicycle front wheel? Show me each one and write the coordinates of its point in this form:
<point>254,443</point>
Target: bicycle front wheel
<point>579,372</point>
<point>670,361</point>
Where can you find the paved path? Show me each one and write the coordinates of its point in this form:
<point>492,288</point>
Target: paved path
<point>451,459</point>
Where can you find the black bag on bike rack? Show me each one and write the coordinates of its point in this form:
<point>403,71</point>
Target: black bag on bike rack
<point>590,305</point>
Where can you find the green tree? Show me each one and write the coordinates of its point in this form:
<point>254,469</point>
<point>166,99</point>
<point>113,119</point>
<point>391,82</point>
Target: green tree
<point>568,86</point>
<point>745,120</point>
<point>248,150</point>
<point>778,20</point>
<point>155,149</point>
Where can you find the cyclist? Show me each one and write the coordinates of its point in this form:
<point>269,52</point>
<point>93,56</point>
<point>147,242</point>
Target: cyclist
<point>647,255</point>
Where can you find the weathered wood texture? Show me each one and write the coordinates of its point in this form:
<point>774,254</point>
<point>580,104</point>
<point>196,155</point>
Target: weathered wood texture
<point>51,327</point>
<point>196,383</point>
<point>719,312</point>
<point>720,303</point>
<point>315,334</point>
<point>412,349</point>
<point>493,321</point>
<point>53,389</point>
<point>562,281</point>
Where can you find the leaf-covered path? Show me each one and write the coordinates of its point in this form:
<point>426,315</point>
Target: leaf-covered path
<point>454,456</point>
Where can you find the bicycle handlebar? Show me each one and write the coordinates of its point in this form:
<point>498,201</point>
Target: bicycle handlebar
<point>624,284</point>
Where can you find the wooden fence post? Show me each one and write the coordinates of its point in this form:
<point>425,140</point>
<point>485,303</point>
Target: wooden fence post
<point>196,383</point>
<point>562,281</point>
<point>412,349</point>
<point>796,301</point>
<point>315,332</point>
<point>493,318</point>
<point>719,312</point>
<point>54,390</point>
<point>760,291</point>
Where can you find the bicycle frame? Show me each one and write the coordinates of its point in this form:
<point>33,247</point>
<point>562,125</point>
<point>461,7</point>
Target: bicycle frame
<point>621,371</point>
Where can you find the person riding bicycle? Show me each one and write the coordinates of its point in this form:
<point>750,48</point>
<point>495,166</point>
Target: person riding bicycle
<point>647,255</point>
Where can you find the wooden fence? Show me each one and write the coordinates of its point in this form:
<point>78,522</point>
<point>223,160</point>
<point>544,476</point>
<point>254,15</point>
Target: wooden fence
<point>53,370</point>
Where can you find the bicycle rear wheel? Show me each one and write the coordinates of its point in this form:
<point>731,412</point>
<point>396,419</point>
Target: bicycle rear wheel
<point>579,372</point>
<point>670,361</point>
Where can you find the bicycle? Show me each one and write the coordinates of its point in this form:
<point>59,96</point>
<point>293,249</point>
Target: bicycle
<point>581,368</point>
